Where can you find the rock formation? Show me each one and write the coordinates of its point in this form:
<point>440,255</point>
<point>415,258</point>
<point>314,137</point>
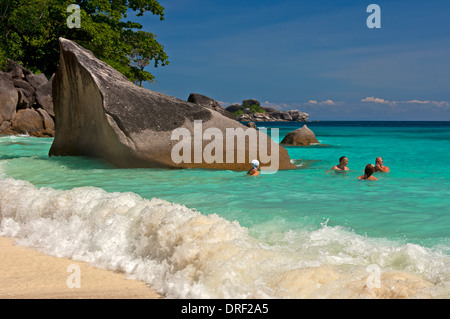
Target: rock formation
<point>26,105</point>
<point>302,136</point>
<point>100,113</point>
<point>277,116</point>
<point>267,114</point>
<point>209,103</point>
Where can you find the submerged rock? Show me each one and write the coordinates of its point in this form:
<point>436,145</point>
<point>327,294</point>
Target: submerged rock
<point>98,112</point>
<point>302,136</point>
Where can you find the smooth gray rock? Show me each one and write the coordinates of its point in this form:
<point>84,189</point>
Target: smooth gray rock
<point>44,98</point>
<point>26,89</point>
<point>36,80</point>
<point>98,112</point>
<point>302,136</point>
<point>27,121</point>
<point>8,97</point>
<point>49,124</point>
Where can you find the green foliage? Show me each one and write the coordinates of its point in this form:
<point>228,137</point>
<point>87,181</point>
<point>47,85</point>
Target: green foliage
<point>254,108</point>
<point>29,33</point>
<point>2,60</point>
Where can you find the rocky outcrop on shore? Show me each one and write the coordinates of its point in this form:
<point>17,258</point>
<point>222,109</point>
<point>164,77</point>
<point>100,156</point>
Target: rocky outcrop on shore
<point>26,104</point>
<point>246,113</point>
<point>209,103</point>
<point>100,113</point>
<point>300,137</point>
<point>276,116</point>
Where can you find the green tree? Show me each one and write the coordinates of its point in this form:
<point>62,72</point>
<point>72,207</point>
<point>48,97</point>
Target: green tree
<point>30,29</point>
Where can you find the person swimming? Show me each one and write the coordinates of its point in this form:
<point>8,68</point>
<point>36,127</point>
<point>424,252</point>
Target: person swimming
<point>254,170</point>
<point>379,167</point>
<point>368,171</point>
<point>342,166</point>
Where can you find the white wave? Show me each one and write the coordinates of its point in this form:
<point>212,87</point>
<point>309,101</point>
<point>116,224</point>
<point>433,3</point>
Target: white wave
<point>184,254</point>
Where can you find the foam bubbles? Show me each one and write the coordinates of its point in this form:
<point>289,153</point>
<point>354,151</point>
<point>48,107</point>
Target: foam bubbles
<point>184,254</point>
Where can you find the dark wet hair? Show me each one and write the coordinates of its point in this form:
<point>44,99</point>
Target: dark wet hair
<point>342,158</point>
<point>368,171</point>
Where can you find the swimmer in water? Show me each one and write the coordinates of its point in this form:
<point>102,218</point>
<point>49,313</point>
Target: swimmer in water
<point>379,167</point>
<point>254,171</point>
<point>368,173</point>
<point>342,166</point>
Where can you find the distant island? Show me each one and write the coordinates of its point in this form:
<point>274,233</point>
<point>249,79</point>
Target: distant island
<point>252,111</point>
<point>249,111</point>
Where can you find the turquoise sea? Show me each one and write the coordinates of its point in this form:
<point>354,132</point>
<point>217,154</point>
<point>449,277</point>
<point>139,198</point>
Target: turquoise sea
<point>301,233</point>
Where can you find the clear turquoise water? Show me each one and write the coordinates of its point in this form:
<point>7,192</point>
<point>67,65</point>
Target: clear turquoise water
<point>409,205</point>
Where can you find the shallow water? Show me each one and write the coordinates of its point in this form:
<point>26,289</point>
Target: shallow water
<point>310,233</point>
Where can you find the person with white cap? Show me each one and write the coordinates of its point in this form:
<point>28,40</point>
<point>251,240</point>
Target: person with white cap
<point>254,171</point>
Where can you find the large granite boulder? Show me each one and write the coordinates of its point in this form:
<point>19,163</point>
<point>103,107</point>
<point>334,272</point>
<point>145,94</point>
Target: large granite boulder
<point>27,121</point>
<point>8,97</point>
<point>98,112</point>
<point>302,136</point>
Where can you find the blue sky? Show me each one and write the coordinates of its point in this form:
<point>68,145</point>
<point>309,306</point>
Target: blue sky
<point>315,56</point>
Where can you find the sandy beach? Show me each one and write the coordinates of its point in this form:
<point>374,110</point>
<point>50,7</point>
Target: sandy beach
<point>28,274</point>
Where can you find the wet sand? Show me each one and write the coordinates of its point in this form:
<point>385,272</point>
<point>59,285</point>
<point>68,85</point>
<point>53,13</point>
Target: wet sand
<point>28,274</point>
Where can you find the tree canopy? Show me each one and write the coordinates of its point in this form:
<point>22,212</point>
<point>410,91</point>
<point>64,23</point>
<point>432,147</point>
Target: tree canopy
<point>30,29</point>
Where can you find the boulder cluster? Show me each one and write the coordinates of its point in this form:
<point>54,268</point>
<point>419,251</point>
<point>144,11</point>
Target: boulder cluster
<point>26,104</point>
<point>266,114</point>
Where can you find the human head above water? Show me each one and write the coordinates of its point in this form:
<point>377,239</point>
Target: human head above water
<point>255,164</point>
<point>343,160</point>
<point>368,171</point>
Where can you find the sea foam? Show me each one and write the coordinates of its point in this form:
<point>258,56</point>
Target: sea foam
<point>184,254</point>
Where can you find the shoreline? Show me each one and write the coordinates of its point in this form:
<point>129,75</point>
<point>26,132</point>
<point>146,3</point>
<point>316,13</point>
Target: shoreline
<point>26,273</point>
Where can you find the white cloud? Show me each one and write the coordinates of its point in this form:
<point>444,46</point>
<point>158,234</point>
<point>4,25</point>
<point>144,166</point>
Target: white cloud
<point>326,102</point>
<point>435,103</point>
<point>383,101</point>
<point>373,99</point>
<point>417,102</point>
